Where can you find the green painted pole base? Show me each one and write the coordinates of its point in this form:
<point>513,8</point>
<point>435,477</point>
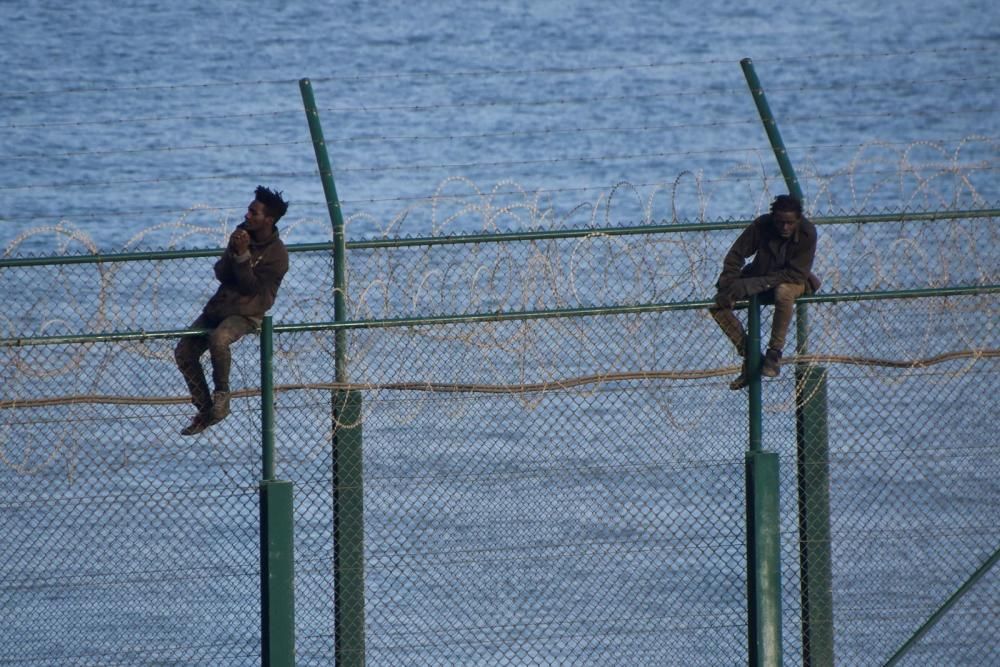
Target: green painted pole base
<point>348,530</point>
<point>277,580</point>
<point>816,579</point>
<point>763,560</point>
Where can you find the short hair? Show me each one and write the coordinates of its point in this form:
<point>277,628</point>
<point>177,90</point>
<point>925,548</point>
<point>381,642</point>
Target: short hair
<point>272,201</point>
<point>786,203</point>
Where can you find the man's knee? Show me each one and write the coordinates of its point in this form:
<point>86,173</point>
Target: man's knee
<point>229,331</point>
<point>221,339</point>
<point>787,293</point>
<point>185,352</point>
<point>223,336</point>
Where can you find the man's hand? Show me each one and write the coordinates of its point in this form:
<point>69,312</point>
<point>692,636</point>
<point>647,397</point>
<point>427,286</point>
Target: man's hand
<point>734,290</point>
<point>239,242</point>
<point>724,300</point>
<point>738,289</point>
<point>744,288</point>
<point>755,285</point>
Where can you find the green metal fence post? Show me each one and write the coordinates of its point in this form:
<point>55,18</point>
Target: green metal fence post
<point>336,219</point>
<point>267,398</point>
<point>763,560</point>
<point>348,477</point>
<point>812,443</point>
<point>349,545</point>
<point>762,517</point>
<point>771,127</point>
<point>815,563</point>
<point>277,580</point>
<point>753,373</point>
<point>787,171</point>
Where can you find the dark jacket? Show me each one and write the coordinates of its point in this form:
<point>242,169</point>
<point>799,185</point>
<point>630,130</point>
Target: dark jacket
<point>775,260</point>
<point>249,284</point>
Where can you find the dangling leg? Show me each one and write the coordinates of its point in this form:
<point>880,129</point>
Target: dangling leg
<point>785,295</point>
<point>733,328</point>
<point>228,332</point>
<point>187,354</point>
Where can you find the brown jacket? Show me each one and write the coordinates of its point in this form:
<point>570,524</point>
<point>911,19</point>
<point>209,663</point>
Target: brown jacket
<point>775,260</point>
<point>249,284</point>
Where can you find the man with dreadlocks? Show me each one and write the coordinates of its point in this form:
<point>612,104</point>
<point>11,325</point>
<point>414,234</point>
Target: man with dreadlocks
<point>249,273</point>
<point>783,246</point>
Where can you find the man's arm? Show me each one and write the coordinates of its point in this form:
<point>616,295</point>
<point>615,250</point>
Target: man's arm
<point>223,272</point>
<point>262,277</point>
<point>732,265</point>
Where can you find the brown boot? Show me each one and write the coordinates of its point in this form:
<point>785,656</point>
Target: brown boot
<point>743,379</point>
<point>220,406</point>
<point>199,423</point>
<point>771,365</point>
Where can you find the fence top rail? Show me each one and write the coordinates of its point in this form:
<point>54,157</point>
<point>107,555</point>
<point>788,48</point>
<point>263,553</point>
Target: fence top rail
<point>506,237</point>
<point>473,318</point>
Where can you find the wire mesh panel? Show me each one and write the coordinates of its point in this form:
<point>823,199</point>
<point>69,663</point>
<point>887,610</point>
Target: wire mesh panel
<point>913,468</point>
<point>123,543</point>
<point>513,518</point>
<point>559,490</point>
<point>910,476</point>
<point>150,294</point>
<point>563,536</point>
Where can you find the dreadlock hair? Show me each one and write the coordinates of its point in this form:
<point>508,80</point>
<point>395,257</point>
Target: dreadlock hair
<point>786,203</point>
<point>272,201</point>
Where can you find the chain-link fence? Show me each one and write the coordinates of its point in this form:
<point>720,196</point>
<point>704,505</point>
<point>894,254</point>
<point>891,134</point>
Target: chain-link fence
<point>563,486</point>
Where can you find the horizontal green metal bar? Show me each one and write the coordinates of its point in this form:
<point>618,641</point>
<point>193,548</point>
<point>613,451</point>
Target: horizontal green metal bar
<point>912,216</point>
<point>502,316</point>
<point>153,255</point>
<point>880,295</point>
<point>620,310</point>
<point>504,237</point>
<point>546,235</point>
<point>112,337</point>
<point>147,256</point>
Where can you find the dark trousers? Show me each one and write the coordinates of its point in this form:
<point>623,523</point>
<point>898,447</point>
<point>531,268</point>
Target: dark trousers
<point>783,297</point>
<point>217,341</point>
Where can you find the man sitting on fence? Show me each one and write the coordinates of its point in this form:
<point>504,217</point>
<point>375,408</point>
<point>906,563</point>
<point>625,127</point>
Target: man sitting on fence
<point>783,246</point>
<point>249,273</point>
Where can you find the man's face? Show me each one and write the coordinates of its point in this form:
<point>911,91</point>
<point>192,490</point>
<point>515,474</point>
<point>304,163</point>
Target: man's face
<point>257,218</point>
<point>785,223</point>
